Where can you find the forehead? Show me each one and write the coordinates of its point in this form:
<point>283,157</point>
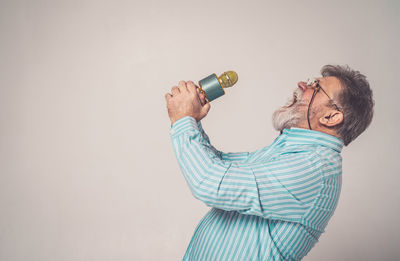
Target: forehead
<point>330,84</point>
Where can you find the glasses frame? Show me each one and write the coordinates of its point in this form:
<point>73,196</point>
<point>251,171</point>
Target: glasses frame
<point>317,88</point>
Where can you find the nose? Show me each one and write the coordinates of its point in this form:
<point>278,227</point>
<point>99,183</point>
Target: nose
<point>302,85</point>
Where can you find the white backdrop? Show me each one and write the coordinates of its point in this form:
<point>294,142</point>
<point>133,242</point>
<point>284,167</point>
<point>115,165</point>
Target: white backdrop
<point>87,171</point>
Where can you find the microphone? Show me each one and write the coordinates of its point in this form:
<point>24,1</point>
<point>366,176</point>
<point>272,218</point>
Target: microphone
<point>213,86</point>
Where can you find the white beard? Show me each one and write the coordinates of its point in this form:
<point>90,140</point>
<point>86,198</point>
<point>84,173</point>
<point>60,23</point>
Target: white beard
<point>291,114</point>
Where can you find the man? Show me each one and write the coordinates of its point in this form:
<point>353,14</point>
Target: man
<point>273,203</point>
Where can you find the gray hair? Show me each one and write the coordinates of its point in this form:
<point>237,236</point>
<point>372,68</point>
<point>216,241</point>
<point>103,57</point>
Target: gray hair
<point>355,101</point>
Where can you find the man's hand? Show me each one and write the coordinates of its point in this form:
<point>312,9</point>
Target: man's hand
<point>186,100</point>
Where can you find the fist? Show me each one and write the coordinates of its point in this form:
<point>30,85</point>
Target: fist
<point>186,100</point>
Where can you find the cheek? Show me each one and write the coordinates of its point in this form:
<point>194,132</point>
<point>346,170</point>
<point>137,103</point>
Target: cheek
<point>307,97</point>
<point>301,109</point>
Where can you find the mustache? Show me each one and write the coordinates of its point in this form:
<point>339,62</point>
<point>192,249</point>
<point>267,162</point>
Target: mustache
<point>295,99</point>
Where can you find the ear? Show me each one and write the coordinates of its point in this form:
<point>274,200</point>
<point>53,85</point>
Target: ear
<point>331,118</point>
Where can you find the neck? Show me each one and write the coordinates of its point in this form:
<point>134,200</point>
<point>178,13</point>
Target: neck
<point>317,127</point>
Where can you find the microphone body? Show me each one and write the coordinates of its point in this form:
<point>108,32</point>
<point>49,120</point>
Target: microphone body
<point>213,86</point>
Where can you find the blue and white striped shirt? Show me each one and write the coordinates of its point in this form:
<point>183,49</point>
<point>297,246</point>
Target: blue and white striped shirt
<point>270,204</point>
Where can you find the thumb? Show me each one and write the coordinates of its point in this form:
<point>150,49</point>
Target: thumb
<point>205,109</point>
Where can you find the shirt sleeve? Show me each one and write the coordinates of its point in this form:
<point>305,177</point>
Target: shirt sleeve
<point>282,188</point>
<point>230,156</point>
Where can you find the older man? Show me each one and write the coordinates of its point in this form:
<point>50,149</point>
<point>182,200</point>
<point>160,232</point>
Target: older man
<point>273,203</point>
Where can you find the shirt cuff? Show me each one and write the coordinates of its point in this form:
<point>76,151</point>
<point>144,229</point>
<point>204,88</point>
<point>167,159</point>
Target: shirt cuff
<point>182,125</point>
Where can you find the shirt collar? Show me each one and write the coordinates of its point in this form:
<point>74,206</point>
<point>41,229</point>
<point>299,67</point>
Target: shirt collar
<point>304,136</point>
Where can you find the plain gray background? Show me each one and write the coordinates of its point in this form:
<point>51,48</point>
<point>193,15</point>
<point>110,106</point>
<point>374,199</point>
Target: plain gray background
<point>87,171</point>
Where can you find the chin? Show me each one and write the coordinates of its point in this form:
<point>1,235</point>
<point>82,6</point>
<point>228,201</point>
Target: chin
<point>287,117</point>
<point>292,114</point>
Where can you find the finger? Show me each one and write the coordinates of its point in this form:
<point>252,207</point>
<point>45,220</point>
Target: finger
<point>200,95</point>
<point>175,90</point>
<point>205,109</point>
<point>191,87</point>
<point>168,96</point>
<point>203,97</point>
<point>182,86</point>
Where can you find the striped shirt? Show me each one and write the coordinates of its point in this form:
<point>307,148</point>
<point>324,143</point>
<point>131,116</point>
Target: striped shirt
<point>270,204</point>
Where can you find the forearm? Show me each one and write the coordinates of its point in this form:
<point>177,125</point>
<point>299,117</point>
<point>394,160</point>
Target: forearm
<point>217,182</point>
<point>230,156</point>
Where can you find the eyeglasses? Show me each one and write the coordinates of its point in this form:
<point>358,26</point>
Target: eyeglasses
<point>317,87</point>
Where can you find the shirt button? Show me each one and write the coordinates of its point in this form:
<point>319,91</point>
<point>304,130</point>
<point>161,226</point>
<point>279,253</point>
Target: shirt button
<point>172,131</point>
